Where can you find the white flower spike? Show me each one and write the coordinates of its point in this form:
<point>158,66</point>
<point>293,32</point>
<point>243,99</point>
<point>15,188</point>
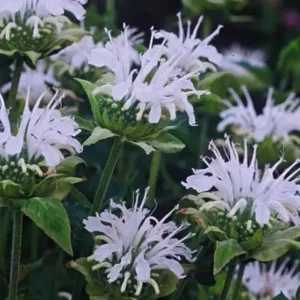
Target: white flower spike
<point>136,245</point>
<point>276,121</point>
<point>42,77</point>
<point>235,55</point>
<point>42,134</point>
<point>267,283</point>
<point>240,185</point>
<point>158,85</point>
<point>194,48</point>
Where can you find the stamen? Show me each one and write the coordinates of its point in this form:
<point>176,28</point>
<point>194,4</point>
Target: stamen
<point>249,225</point>
<point>104,264</point>
<point>6,31</point>
<point>21,163</point>
<point>124,284</point>
<point>90,258</point>
<point>139,288</point>
<point>154,284</point>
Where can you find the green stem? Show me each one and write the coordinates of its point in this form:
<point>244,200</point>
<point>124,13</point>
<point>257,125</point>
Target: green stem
<point>154,170</point>
<point>11,101</point>
<point>111,14</point>
<point>34,242</point>
<point>97,204</point>
<point>15,255</point>
<point>238,282</point>
<point>106,176</point>
<point>203,140</point>
<point>228,280</point>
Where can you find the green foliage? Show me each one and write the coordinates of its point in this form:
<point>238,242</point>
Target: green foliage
<point>51,217</point>
<point>225,252</point>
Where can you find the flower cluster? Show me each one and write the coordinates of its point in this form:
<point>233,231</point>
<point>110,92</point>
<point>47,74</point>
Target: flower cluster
<point>275,121</point>
<point>42,134</point>
<point>242,186</point>
<point>190,48</point>
<point>267,283</point>
<point>135,246</point>
<point>159,83</point>
<point>28,25</point>
<point>236,55</point>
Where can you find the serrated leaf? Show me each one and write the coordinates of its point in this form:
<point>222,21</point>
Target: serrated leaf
<point>214,233</point>
<point>51,217</point>
<point>225,252</point>
<point>166,143</point>
<point>97,135</point>
<point>277,244</point>
<point>10,189</point>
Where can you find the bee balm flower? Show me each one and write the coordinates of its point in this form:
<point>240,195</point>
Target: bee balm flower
<point>194,48</point>
<point>241,186</point>
<point>276,121</point>
<point>268,283</point>
<point>135,246</point>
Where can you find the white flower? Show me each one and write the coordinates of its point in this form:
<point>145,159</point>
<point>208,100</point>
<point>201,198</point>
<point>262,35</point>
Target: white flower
<point>235,55</point>
<point>136,245</point>
<point>40,79</point>
<point>42,134</point>
<point>239,185</point>
<point>267,283</point>
<point>158,84</point>
<point>194,48</point>
<point>276,121</point>
<point>36,14</point>
<point>75,57</point>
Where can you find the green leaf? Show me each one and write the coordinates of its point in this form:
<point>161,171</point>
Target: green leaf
<point>281,296</point>
<point>289,55</point>
<point>55,186</point>
<point>83,266</point>
<point>79,197</point>
<point>51,217</point>
<point>214,233</point>
<point>85,124</point>
<point>69,165</point>
<point>255,241</point>
<point>10,189</point>
<point>147,148</point>
<point>166,143</point>
<point>225,252</point>
<point>97,135</point>
<point>277,244</point>
<point>219,83</point>
<point>211,104</point>
<point>88,88</point>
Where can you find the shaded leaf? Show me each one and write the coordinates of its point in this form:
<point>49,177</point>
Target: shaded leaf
<point>85,124</point>
<point>166,143</point>
<point>51,217</point>
<point>97,135</point>
<point>225,252</point>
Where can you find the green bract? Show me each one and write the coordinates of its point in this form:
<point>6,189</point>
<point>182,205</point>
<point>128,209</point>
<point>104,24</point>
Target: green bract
<point>111,120</point>
<point>98,288</point>
<point>17,39</point>
<point>241,236</point>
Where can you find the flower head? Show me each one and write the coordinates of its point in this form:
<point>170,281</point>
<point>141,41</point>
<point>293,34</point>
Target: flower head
<point>276,121</point>
<point>268,283</point>
<point>235,55</point>
<point>35,25</point>
<point>42,77</point>
<point>135,245</point>
<point>194,48</point>
<point>158,85</point>
<point>42,134</point>
<point>240,185</point>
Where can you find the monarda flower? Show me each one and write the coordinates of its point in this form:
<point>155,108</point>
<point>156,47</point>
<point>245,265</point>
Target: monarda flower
<point>242,186</point>
<point>277,121</point>
<point>33,149</point>
<point>245,211</point>
<point>268,282</point>
<point>235,56</point>
<point>134,248</point>
<point>193,52</point>
<point>36,28</point>
<point>42,77</point>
